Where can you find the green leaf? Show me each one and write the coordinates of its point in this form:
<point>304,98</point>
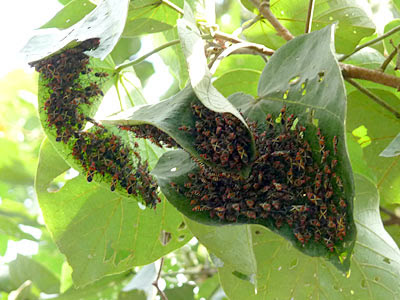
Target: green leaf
<point>3,244</point>
<point>184,292</point>
<point>285,273</point>
<point>304,75</point>
<point>150,16</point>
<point>199,74</point>
<point>353,22</point>
<point>173,56</point>
<point>101,232</point>
<point>106,22</point>
<point>24,268</point>
<point>9,226</point>
<point>395,37</point>
<point>393,149</point>
<point>362,111</point>
<point>237,240</point>
<point>70,14</point>
<point>106,288</point>
<point>168,116</point>
<point>238,80</point>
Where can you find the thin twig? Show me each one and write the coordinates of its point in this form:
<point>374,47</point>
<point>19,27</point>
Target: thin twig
<point>247,25</point>
<point>205,271</point>
<point>350,71</point>
<point>371,42</point>
<point>155,283</point>
<point>394,219</point>
<point>388,60</point>
<point>158,49</point>
<point>118,93</point>
<point>265,10</point>
<point>235,40</point>
<point>173,6</point>
<point>127,92</point>
<point>373,97</point>
<point>310,13</point>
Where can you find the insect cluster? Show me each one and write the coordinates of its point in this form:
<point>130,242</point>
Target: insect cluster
<point>288,185</point>
<point>220,138</point>
<point>152,133</point>
<point>73,85</point>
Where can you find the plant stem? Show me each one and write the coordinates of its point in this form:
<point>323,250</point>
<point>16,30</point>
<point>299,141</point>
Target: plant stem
<point>265,10</point>
<point>371,42</point>
<point>235,40</point>
<point>205,271</point>
<point>127,92</point>
<point>173,6</point>
<point>310,13</point>
<point>350,71</point>
<point>118,93</point>
<point>155,283</point>
<point>388,60</point>
<point>247,25</point>
<point>394,219</point>
<point>373,97</point>
<point>158,49</point>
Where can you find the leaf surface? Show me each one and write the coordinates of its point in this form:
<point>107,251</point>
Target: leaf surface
<point>353,21</point>
<point>102,232</point>
<point>106,22</point>
<point>284,272</point>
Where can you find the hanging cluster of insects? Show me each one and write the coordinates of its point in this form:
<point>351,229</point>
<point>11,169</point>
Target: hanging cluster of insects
<point>288,184</point>
<point>73,86</point>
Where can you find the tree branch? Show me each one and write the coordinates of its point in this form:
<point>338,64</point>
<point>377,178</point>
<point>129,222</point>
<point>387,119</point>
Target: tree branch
<point>388,60</point>
<point>173,6</point>
<point>155,283</point>
<point>310,13</point>
<point>265,10</point>
<point>235,40</point>
<point>371,42</point>
<point>350,71</point>
<point>373,97</point>
<point>394,219</point>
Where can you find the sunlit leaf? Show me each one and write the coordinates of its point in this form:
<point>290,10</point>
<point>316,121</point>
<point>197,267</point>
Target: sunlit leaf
<point>284,272</point>
<point>101,232</point>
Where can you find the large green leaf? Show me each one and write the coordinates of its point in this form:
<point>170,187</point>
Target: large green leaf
<point>168,116</point>
<point>284,273</point>
<point>238,80</point>
<point>393,149</point>
<point>323,103</point>
<point>173,56</point>
<point>354,22</point>
<point>150,16</point>
<point>70,14</point>
<point>24,268</point>
<point>238,245</point>
<point>199,74</point>
<point>362,111</point>
<point>106,22</point>
<point>101,232</point>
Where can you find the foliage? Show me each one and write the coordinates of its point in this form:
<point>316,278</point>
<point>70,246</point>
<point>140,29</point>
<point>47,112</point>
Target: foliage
<point>93,243</point>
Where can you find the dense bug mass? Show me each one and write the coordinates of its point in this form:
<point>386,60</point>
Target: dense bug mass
<point>220,138</point>
<point>153,134</point>
<point>288,184</point>
<point>72,85</point>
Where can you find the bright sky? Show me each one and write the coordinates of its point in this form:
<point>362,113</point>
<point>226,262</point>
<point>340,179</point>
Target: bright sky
<point>18,19</point>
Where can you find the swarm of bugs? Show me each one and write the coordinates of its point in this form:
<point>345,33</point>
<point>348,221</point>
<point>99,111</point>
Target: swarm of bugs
<point>220,138</point>
<point>287,185</point>
<point>72,85</point>
<point>152,133</point>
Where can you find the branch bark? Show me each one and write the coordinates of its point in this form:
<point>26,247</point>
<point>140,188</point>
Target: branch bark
<point>265,10</point>
<point>350,71</point>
